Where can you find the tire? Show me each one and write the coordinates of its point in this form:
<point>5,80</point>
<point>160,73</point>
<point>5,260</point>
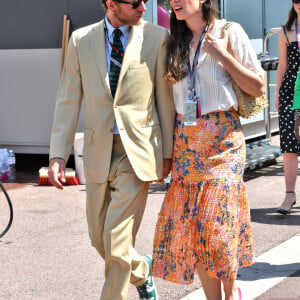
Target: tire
<point>6,211</point>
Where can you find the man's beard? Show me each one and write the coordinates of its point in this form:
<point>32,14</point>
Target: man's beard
<point>127,20</point>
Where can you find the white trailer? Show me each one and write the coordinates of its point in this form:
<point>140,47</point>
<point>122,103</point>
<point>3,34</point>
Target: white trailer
<point>30,58</point>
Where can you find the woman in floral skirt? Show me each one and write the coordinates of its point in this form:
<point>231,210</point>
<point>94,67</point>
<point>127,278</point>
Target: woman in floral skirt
<point>204,223</point>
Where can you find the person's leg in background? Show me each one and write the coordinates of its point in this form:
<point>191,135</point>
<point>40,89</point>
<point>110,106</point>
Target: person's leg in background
<point>290,161</point>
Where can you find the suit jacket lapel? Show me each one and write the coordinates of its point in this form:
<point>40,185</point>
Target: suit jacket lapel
<point>133,50</point>
<point>97,46</point>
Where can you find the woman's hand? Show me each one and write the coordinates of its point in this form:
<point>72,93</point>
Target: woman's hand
<point>246,79</point>
<point>166,170</point>
<point>217,48</point>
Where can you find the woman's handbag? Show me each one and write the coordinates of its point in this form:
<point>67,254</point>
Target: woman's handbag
<point>248,105</point>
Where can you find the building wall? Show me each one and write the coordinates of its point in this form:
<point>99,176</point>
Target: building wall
<point>30,55</point>
<point>257,17</point>
<point>37,24</point>
<point>30,58</point>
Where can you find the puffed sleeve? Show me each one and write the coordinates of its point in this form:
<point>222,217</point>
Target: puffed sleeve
<point>243,50</point>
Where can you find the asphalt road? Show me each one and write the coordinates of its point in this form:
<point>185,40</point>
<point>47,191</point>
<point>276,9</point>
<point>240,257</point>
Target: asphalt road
<point>47,253</point>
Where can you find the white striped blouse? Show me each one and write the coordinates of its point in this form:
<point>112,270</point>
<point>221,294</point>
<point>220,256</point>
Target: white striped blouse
<point>212,82</point>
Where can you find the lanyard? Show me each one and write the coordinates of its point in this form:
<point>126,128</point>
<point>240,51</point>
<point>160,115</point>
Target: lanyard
<point>297,34</point>
<point>191,70</point>
<point>107,41</point>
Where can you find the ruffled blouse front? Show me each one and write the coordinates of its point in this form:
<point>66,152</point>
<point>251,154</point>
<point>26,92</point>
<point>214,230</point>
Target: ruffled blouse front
<point>212,82</point>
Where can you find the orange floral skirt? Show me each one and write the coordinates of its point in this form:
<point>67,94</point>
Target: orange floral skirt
<point>205,216</point>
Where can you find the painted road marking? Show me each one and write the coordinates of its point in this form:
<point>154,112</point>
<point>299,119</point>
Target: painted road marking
<point>270,268</point>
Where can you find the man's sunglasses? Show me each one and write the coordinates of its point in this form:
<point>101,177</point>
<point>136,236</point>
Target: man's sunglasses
<point>135,4</point>
<point>296,1</point>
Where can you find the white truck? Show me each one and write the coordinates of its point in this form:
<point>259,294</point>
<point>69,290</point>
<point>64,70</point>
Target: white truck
<point>30,59</point>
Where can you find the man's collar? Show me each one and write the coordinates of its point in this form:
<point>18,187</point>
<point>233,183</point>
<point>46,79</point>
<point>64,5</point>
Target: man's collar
<point>110,29</point>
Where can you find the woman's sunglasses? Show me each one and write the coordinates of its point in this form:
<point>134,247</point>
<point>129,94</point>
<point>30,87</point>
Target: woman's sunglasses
<point>296,1</point>
<point>135,4</point>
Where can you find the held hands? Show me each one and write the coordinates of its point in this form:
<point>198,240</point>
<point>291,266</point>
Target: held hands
<point>56,172</point>
<point>217,48</point>
<point>166,169</point>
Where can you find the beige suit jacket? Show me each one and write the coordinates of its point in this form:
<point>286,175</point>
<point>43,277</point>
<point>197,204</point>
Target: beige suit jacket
<point>143,105</point>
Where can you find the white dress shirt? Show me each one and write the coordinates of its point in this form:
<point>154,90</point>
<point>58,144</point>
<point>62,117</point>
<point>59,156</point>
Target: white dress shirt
<point>212,82</point>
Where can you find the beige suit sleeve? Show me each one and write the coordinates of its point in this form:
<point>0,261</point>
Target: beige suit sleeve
<point>165,104</point>
<point>68,105</point>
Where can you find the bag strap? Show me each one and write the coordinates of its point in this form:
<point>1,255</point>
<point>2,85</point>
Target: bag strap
<point>284,31</point>
<point>235,86</point>
<point>225,27</point>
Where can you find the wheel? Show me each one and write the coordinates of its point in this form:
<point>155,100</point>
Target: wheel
<point>6,211</point>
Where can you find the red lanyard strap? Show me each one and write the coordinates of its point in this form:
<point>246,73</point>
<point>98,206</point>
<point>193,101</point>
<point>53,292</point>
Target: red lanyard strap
<point>113,47</point>
<point>107,41</point>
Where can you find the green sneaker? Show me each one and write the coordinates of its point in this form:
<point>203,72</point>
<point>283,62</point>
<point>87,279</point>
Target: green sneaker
<point>148,291</point>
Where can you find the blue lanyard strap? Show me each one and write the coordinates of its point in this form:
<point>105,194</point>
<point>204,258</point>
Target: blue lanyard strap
<point>191,70</point>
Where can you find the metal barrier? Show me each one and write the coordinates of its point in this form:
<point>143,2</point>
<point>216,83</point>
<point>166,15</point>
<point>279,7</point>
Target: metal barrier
<point>267,116</point>
<point>261,152</point>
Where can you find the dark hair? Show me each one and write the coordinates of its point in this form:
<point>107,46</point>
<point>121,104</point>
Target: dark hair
<point>178,44</point>
<point>103,2</point>
<point>291,19</point>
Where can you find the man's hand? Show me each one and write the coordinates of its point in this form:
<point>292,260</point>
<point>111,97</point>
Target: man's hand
<point>56,172</point>
<point>297,128</point>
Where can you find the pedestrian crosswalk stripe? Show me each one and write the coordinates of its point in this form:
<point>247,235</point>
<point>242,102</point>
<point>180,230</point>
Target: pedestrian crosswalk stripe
<point>269,269</point>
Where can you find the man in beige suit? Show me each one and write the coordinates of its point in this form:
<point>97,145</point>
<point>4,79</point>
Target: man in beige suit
<point>127,137</point>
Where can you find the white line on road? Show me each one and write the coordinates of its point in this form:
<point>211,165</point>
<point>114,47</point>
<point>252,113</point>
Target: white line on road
<point>270,268</point>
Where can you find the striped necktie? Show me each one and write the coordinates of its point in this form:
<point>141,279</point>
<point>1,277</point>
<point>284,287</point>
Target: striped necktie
<point>115,61</point>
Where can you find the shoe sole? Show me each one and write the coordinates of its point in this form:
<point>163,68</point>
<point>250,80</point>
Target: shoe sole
<point>283,211</point>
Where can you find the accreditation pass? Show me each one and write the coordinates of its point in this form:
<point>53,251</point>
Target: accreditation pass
<point>190,113</point>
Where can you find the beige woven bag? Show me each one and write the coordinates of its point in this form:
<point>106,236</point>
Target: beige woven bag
<point>248,105</point>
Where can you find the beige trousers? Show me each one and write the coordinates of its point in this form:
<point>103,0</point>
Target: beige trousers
<point>114,212</point>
